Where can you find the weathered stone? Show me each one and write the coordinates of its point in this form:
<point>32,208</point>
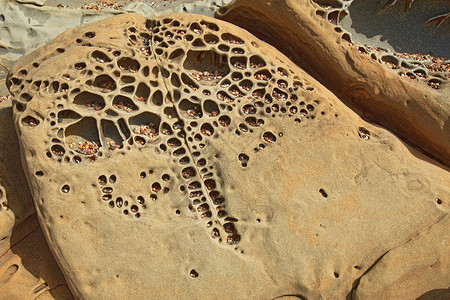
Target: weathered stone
<point>411,269</point>
<point>27,267</point>
<point>181,157</point>
<point>28,27</point>
<point>414,105</point>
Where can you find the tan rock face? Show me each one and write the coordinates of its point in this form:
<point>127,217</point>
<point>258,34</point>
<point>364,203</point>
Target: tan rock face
<point>409,95</point>
<point>181,157</point>
<point>27,267</point>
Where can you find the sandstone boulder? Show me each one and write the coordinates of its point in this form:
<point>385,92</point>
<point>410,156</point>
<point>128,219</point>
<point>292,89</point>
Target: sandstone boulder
<point>182,157</point>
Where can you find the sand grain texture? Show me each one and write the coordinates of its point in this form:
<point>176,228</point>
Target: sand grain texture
<point>182,157</point>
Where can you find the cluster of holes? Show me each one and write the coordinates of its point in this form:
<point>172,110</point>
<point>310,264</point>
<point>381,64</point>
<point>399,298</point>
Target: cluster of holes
<point>424,68</point>
<point>76,127</point>
<point>106,185</point>
<point>332,10</point>
<point>112,113</point>
<point>156,186</point>
<point>207,200</point>
<point>418,67</point>
<point>133,205</point>
<point>217,81</point>
<point>113,102</point>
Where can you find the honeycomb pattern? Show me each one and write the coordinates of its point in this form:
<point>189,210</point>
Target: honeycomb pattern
<point>424,69</point>
<point>175,87</point>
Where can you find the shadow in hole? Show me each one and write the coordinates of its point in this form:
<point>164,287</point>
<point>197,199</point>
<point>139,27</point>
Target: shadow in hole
<point>437,294</point>
<point>27,240</point>
<point>290,297</point>
<point>404,31</point>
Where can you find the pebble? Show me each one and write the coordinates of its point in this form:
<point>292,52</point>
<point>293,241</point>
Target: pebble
<point>5,98</point>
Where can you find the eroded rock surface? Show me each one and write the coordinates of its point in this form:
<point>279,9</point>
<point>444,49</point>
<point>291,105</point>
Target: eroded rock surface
<point>181,157</point>
<point>27,267</point>
<point>407,95</point>
<point>26,27</point>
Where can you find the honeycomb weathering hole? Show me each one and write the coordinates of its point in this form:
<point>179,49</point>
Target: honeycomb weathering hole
<point>128,64</point>
<point>232,39</point>
<point>101,57</point>
<point>105,83</point>
<point>190,109</point>
<point>142,92</point>
<point>146,124</point>
<point>176,55</point>
<point>127,79</point>
<point>211,108</point>
<point>208,64</point>
<point>157,98</point>
<point>211,39</point>
<point>83,136</point>
<point>124,103</point>
<point>89,101</point>
<point>68,116</point>
<point>111,135</point>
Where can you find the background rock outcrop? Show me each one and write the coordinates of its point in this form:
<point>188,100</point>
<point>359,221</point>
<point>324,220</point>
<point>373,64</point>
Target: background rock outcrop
<point>182,157</point>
